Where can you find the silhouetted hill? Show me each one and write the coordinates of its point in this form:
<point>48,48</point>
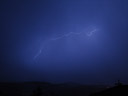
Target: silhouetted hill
<point>48,89</point>
<point>114,91</point>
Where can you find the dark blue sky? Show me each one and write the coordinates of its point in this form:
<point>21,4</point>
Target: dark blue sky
<point>64,40</point>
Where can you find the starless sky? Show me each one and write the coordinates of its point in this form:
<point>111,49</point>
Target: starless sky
<point>84,41</point>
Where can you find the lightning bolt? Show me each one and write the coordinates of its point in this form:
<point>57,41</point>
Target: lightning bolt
<point>66,35</point>
<point>38,53</point>
<point>90,33</point>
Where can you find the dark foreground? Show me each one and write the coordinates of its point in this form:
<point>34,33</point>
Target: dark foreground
<point>47,89</point>
<point>121,90</point>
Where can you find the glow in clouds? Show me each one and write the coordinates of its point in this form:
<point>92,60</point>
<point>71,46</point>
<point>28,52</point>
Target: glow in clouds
<point>87,33</point>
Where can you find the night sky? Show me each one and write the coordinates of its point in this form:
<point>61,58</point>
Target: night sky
<point>83,41</point>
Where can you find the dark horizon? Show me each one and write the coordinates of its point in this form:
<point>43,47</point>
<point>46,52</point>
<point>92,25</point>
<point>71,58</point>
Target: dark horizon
<point>82,41</point>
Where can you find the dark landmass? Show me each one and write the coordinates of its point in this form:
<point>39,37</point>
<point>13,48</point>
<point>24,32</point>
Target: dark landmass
<point>121,90</point>
<point>48,89</point>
